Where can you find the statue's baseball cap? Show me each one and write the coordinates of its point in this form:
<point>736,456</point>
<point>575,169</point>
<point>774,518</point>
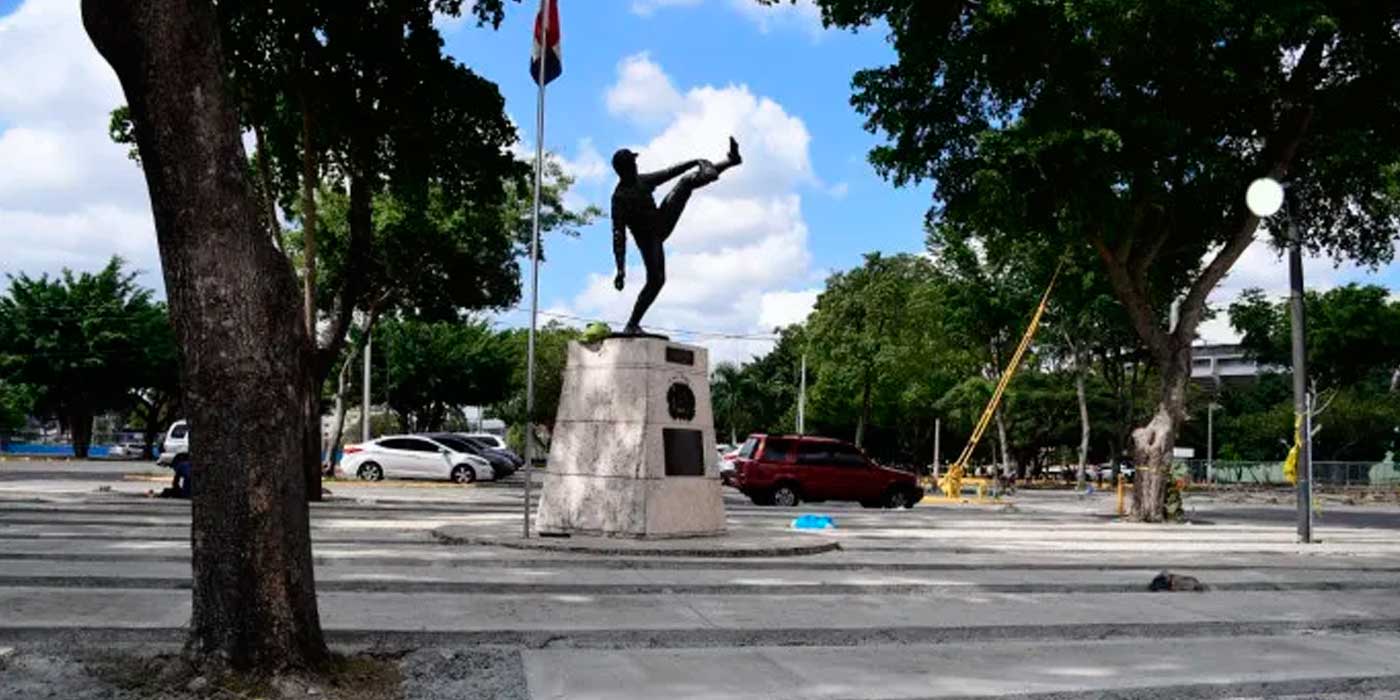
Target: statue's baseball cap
<point>623,156</point>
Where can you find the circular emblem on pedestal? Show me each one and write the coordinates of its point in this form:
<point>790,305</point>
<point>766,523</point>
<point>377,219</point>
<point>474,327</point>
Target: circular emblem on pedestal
<point>680,402</point>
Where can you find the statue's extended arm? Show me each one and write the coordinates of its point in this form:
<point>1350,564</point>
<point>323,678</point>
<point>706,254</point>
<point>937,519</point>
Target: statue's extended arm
<point>619,253</point>
<point>661,176</point>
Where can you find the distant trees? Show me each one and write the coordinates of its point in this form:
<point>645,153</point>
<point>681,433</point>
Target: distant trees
<point>1353,338</point>
<point>900,341</point>
<point>551,353</point>
<point>429,370</point>
<point>80,344</point>
<point>1133,131</point>
<point>1353,334</point>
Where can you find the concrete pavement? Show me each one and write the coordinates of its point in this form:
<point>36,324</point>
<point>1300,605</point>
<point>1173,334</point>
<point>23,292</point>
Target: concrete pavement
<point>1047,600</point>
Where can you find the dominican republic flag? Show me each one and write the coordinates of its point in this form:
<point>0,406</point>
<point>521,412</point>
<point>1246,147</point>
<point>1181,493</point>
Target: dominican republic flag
<point>549,44</point>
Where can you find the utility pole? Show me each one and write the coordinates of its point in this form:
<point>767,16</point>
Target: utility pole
<point>1301,405</point>
<point>364,387</point>
<point>802,398</point>
<point>937,446</point>
<point>1210,442</point>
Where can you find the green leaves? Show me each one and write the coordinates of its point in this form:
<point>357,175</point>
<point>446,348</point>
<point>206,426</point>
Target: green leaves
<point>82,343</point>
<point>1139,124</point>
<point>432,368</point>
<point>1353,333</point>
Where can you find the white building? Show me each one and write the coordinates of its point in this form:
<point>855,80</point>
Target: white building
<point>1217,365</point>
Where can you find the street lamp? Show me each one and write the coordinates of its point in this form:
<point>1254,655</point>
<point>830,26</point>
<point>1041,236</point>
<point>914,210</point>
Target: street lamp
<point>1210,441</point>
<point>1265,198</point>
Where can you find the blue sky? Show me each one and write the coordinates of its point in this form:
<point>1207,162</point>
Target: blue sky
<point>670,78</point>
<point>715,52</point>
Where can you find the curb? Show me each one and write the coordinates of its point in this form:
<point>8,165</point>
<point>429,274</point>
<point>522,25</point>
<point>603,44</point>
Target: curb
<point>641,548</point>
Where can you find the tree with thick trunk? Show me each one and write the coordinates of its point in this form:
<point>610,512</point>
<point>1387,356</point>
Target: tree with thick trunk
<point>1075,123</point>
<point>243,341</point>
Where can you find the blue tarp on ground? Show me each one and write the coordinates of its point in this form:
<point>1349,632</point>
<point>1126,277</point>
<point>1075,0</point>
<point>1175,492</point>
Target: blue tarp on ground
<point>813,522</point>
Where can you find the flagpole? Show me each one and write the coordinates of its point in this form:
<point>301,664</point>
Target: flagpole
<point>535,264</point>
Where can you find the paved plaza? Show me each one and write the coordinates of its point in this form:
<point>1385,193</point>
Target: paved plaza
<point>1045,598</point>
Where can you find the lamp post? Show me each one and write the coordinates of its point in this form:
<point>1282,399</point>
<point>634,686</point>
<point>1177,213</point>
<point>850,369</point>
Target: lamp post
<point>1265,198</point>
<point>1210,441</point>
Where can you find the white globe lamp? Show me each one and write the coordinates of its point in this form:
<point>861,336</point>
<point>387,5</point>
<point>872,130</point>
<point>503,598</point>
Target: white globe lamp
<point>1264,197</point>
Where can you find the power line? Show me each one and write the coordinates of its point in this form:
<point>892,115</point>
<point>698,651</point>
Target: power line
<point>719,335</point>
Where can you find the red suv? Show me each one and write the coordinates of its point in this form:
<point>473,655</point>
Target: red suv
<point>787,469</point>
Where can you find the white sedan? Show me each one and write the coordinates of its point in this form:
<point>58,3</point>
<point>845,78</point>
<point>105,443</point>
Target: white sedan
<point>415,456</point>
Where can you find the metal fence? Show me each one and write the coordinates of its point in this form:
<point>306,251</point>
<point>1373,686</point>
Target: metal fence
<point>1384,473</point>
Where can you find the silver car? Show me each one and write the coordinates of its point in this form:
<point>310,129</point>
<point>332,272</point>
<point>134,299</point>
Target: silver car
<point>415,457</point>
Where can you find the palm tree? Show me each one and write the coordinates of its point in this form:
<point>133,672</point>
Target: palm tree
<point>729,391</point>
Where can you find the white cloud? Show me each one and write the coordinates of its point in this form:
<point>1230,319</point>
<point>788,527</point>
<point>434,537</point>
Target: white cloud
<point>741,246</point>
<point>646,7</point>
<point>69,197</point>
<point>1265,266</point>
<point>779,309</point>
<point>839,190</point>
<point>587,164</point>
<point>642,93</point>
<point>803,15</point>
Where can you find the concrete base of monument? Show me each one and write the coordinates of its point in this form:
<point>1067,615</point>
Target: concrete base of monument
<point>633,449</point>
<point>728,546</point>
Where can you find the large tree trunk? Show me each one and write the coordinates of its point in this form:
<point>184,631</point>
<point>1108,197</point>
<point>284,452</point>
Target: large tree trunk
<point>310,177</point>
<point>243,341</point>
<point>80,423</point>
<point>1153,443</point>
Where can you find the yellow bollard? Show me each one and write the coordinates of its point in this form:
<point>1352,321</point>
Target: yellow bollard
<point>1120,495</point>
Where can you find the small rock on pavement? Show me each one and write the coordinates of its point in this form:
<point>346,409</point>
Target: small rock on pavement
<point>1176,583</point>
<point>6,652</point>
<point>198,684</point>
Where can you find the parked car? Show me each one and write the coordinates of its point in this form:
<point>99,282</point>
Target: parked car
<point>126,450</point>
<point>175,447</point>
<point>490,439</point>
<point>726,465</point>
<point>414,456</point>
<point>491,444</point>
<point>785,470</point>
<point>1106,471</point>
<point>501,461</point>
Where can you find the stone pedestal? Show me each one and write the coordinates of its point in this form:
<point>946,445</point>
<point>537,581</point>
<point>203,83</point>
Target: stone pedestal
<point>633,448</point>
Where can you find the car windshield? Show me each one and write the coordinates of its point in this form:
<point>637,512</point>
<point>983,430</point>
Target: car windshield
<point>748,449</point>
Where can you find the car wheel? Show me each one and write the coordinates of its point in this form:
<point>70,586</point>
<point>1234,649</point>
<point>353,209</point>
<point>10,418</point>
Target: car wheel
<point>899,498</point>
<point>369,471</point>
<point>785,496</point>
<point>463,474</point>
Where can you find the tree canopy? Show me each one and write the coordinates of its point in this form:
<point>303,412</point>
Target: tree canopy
<point>1353,333</point>
<point>1134,129</point>
<point>81,343</point>
<point>429,370</point>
